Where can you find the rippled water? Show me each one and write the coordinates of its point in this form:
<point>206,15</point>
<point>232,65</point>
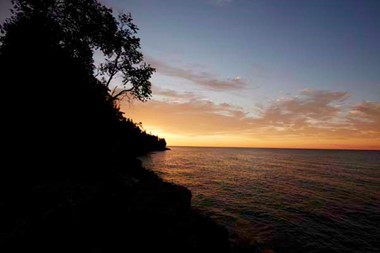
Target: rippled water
<point>285,200</point>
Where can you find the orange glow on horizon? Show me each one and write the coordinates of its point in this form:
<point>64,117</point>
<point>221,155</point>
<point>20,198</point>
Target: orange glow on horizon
<point>241,141</point>
<point>204,123</point>
<point>246,142</point>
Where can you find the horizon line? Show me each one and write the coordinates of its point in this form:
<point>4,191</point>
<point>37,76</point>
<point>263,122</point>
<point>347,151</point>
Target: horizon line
<point>337,149</point>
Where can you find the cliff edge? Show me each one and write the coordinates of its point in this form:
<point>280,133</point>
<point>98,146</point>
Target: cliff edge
<point>133,211</point>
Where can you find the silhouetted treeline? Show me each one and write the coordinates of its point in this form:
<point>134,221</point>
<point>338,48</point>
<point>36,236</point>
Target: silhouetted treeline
<point>54,110</point>
<point>143,142</point>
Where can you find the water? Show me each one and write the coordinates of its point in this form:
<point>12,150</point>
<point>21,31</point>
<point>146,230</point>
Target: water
<point>284,200</point>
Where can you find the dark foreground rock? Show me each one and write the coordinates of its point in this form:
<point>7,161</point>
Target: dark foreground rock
<point>132,211</point>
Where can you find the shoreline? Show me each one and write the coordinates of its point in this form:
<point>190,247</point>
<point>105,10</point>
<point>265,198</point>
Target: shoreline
<point>133,209</point>
<point>233,242</point>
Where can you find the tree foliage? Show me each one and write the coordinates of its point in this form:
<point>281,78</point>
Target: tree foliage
<point>84,26</point>
<point>54,105</point>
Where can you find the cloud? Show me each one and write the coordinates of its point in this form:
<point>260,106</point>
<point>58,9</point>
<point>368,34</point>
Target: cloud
<point>220,2</point>
<point>194,117</point>
<point>311,107</point>
<point>172,94</point>
<point>365,118</point>
<point>204,79</point>
<point>311,117</point>
<point>369,111</point>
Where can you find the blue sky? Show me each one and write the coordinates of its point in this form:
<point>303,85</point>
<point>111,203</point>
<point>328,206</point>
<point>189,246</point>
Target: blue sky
<point>297,55</point>
<point>287,73</point>
<point>273,45</point>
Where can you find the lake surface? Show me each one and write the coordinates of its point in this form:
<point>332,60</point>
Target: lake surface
<point>285,200</point>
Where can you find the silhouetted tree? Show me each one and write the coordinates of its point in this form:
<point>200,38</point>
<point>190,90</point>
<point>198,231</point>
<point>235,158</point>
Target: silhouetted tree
<point>127,60</point>
<point>53,105</point>
<point>85,26</point>
<point>70,180</point>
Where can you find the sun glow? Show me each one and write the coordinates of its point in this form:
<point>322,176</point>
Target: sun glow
<point>301,125</point>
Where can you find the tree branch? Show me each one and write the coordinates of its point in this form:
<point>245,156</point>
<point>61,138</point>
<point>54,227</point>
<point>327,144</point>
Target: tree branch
<point>113,71</point>
<point>122,92</point>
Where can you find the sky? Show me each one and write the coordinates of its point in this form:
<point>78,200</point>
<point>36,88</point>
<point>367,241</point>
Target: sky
<point>259,73</point>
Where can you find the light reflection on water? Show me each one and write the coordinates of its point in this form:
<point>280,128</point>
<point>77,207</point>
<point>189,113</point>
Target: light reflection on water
<point>288,200</point>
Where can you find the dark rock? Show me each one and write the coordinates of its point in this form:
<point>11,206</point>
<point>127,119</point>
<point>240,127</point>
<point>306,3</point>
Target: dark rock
<point>136,212</point>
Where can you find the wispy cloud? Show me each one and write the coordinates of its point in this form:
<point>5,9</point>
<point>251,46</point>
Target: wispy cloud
<point>367,110</point>
<point>173,96</point>
<point>365,117</point>
<point>204,79</point>
<point>312,115</point>
<point>220,2</point>
<point>169,93</point>
<point>194,117</point>
<point>310,107</point>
